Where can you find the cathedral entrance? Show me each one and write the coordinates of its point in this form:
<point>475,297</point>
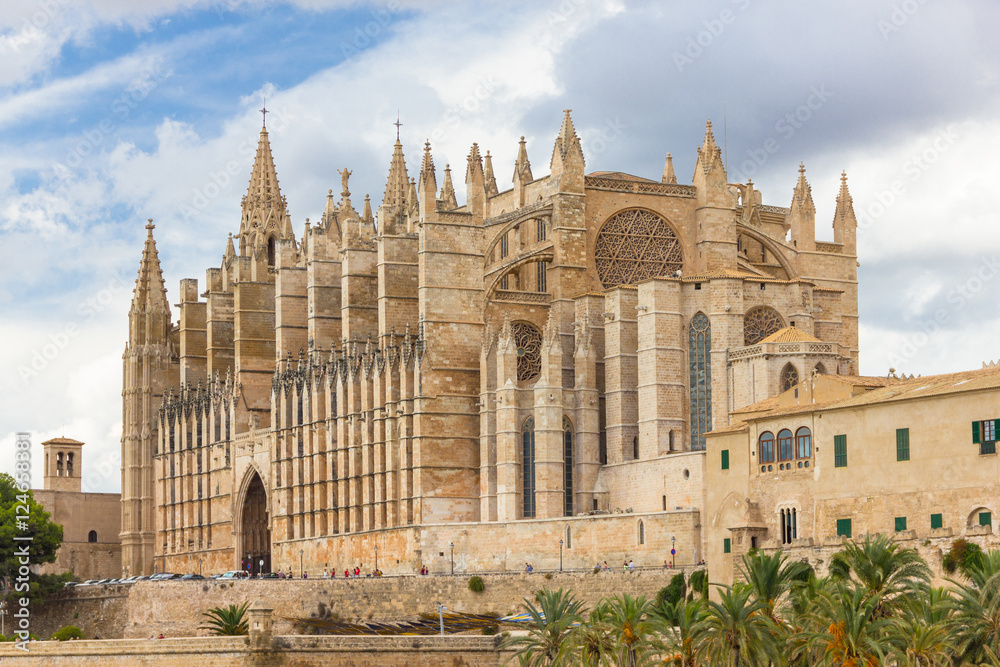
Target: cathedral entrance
<point>256,554</point>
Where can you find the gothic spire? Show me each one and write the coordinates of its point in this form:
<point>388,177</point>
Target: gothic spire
<point>230,251</point>
<point>427,175</point>
<point>366,214</point>
<point>668,171</point>
<point>709,153</point>
<point>567,146</point>
<point>150,292</point>
<point>398,183</point>
<point>263,205</point>
<point>522,167</point>
<point>474,168</point>
<point>845,202</point>
<point>491,181</point>
<point>448,191</point>
<point>802,214</point>
<point>802,194</point>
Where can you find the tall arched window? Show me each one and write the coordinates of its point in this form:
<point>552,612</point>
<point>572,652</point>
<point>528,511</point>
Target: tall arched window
<point>635,448</point>
<point>699,354</point>
<point>567,469</point>
<point>766,447</point>
<point>59,462</point>
<point>528,468</point>
<point>92,536</point>
<point>803,443</point>
<point>69,464</point>
<point>642,533</point>
<point>785,452</point>
<point>789,525</point>
<point>270,251</point>
<point>789,377</point>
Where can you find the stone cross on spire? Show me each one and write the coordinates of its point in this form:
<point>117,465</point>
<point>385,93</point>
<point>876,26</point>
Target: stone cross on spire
<point>263,112</point>
<point>397,124</point>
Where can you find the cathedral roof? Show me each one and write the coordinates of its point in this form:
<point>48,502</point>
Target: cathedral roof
<point>62,441</point>
<point>791,335</point>
<point>620,176</point>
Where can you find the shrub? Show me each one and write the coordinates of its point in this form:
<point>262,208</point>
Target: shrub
<point>491,629</point>
<point>961,556</point>
<point>672,592</point>
<point>548,575</point>
<point>476,584</point>
<point>699,582</point>
<point>67,632</point>
<point>597,568</point>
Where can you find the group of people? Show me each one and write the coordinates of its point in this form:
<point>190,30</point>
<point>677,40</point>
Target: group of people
<point>528,568</point>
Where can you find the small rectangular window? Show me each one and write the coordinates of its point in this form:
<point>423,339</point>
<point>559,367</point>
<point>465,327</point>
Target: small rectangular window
<point>725,459</point>
<point>900,523</point>
<point>697,285</point>
<point>840,451</point>
<point>844,528</point>
<point>936,521</point>
<point>902,444</point>
<point>985,518</point>
<point>987,448</point>
<point>727,546</point>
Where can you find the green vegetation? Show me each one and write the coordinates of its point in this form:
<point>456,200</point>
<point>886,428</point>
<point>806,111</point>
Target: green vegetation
<point>231,620</point>
<point>876,607</point>
<point>698,583</point>
<point>476,584</point>
<point>962,556</point>
<point>67,632</point>
<point>45,540</point>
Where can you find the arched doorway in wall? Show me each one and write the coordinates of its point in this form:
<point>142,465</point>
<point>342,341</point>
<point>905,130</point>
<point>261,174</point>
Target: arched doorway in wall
<point>256,547</point>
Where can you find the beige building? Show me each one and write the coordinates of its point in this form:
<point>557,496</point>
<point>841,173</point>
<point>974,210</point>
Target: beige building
<point>525,377</point>
<point>91,521</point>
<point>838,457</point>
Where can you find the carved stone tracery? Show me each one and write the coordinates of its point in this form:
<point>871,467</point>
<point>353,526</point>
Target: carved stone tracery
<point>634,245</point>
<point>759,323</point>
<point>528,341</point>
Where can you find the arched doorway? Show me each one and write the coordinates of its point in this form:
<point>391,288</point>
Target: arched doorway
<point>256,548</point>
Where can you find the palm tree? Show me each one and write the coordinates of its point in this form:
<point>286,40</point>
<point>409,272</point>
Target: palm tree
<point>737,632</point>
<point>921,633</point>
<point>846,630</point>
<point>882,569</point>
<point>633,629</point>
<point>551,624</point>
<point>683,623</point>
<point>229,620</point>
<point>772,576</point>
<point>589,644</point>
<point>975,623</point>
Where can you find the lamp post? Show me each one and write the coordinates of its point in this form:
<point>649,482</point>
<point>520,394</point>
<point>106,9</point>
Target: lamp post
<point>302,568</point>
<point>199,567</point>
<point>452,545</point>
<point>560,554</point>
<point>441,610</point>
<point>376,558</point>
<point>673,550</point>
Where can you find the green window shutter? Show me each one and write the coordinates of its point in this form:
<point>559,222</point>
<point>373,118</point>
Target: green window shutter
<point>975,432</point>
<point>727,546</point>
<point>900,523</point>
<point>996,426</point>
<point>936,521</point>
<point>844,528</point>
<point>725,459</point>
<point>902,444</point>
<point>985,518</point>
<point>840,451</point>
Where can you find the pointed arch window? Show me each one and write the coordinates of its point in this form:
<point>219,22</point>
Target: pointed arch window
<point>528,468</point>
<point>567,469</point>
<point>642,533</point>
<point>700,389</point>
<point>270,251</point>
<point>789,377</point>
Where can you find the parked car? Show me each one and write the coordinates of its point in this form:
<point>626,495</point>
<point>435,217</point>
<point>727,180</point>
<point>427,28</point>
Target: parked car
<point>165,576</point>
<point>189,577</point>
<point>269,575</point>
<point>235,574</point>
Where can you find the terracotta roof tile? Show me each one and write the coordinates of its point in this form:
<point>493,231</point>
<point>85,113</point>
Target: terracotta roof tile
<point>791,335</point>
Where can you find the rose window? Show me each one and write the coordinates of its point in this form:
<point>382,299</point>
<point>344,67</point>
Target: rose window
<point>759,323</point>
<point>635,245</point>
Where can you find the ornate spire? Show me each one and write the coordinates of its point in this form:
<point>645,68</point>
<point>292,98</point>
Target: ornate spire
<point>150,293</point>
<point>263,205</point>
<point>412,201</point>
<point>474,168</point>
<point>709,153</point>
<point>427,166</point>
<point>845,202</point>
<point>802,194</point>
<point>230,252</point>
<point>668,171</point>
<point>567,146</point>
<point>398,182</point>
<point>448,191</point>
<point>491,181</point>
<point>522,167</point>
<point>366,215</point>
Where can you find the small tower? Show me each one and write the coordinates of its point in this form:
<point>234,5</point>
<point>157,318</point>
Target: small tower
<point>63,464</point>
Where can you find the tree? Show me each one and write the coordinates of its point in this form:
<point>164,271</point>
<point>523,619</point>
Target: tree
<point>46,537</point>
<point>548,630</point>
<point>229,620</point>
<point>847,631</point>
<point>589,644</point>
<point>683,624</point>
<point>771,577</point>
<point>975,623</point>
<point>883,570</point>
<point>633,629</point>
<point>737,632</point>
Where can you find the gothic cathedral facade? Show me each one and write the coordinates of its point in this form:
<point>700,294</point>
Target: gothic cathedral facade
<point>474,386</point>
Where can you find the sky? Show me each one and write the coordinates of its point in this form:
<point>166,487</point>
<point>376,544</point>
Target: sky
<point>114,111</point>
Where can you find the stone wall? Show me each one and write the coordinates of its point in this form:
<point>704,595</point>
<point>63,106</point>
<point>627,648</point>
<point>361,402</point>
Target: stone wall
<point>455,651</point>
<point>174,608</point>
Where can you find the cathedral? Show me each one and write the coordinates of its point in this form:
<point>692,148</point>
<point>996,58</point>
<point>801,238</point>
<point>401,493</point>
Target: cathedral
<point>528,376</point>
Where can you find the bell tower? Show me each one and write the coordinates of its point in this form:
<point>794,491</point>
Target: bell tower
<point>63,464</point>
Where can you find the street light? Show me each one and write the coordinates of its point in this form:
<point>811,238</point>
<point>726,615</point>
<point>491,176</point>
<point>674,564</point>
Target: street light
<point>673,551</point>
<point>376,558</point>
<point>302,568</point>
<point>560,554</point>
<point>452,545</point>
<point>441,610</point>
